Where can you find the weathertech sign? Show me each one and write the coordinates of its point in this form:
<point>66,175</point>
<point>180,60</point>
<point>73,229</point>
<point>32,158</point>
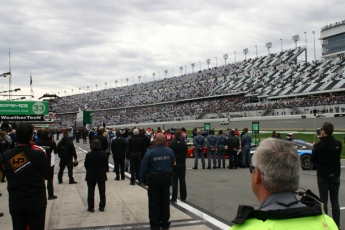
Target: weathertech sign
<point>22,118</point>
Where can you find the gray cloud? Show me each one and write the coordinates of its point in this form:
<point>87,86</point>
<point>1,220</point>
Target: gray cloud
<point>74,44</point>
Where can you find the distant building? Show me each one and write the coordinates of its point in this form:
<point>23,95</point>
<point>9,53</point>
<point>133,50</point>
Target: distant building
<point>333,40</point>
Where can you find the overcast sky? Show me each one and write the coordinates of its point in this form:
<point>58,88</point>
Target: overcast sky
<point>72,44</point>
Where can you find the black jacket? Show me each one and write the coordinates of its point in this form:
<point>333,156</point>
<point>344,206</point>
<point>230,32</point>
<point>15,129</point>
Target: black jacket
<point>326,154</point>
<point>25,170</point>
<point>180,150</point>
<point>49,146</point>
<point>146,140</point>
<point>118,148</point>
<point>233,142</point>
<point>96,165</point>
<point>103,140</point>
<point>66,148</point>
<point>135,144</point>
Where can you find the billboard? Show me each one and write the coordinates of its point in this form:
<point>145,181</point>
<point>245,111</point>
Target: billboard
<point>23,108</point>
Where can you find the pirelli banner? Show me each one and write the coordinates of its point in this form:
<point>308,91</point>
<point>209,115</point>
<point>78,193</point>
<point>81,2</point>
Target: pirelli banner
<point>24,111</point>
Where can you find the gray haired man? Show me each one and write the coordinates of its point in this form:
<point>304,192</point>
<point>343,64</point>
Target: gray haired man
<point>275,174</point>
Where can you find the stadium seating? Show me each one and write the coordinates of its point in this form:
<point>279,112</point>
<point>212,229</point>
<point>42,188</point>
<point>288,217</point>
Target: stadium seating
<point>217,90</point>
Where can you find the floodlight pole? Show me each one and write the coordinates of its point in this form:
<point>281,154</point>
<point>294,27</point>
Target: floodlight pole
<point>314,47</point>
<point>165,71</point>
<point>172,73</point>
<point>256,51</point>
<point>269,45</point>
<point>139,79</point>
<point>295,38</point>
<point>193,67</point>
<point>208,61</point>
<point>79,90</point>
<point>97,86</point>
<point>216,61</point>
<point>87,88</point>
<point>306,47</point>
<point>200,65</point>
<point>281,44</point>
<point>245,51</point>
<point>153,74</point>
<point>235,56</point>
<point>225,56</point>
<point>181,68</point>
<point>185,69</point>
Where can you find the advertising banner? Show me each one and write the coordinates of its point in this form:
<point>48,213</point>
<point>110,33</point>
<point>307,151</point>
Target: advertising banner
<point>23,107</point>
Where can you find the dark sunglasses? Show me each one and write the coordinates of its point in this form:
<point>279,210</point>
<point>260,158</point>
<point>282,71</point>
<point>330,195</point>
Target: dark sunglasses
<point>251,168</point>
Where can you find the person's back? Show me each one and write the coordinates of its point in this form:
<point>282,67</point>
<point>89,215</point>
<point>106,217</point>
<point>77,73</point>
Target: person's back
<point>26,167</point>
<point>102,139</point>
<point>25,175</point>
<point>64,147</point>
<point>118,147</point>
<point>96,165</point>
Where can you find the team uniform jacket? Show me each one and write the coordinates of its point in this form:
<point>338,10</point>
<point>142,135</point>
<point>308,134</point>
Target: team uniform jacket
<point>26,167</point>
<point>199,142</point>
<point>157,161</point>
<point>66,148</point>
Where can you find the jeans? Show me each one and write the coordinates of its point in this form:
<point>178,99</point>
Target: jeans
<point>221,156</point>
<point>211,154</point>
<point>159,201</point>
<point>197,153</point>
<point>246,155</point>
<point>179,174</point>
<point>330,186</point>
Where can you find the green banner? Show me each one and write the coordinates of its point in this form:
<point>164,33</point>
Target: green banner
<point>255,127</point>
<point>23,107</point>
<point>87,118</point>
<point>207,126</point>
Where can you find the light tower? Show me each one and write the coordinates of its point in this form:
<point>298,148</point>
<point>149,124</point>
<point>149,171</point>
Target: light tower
<point>295,39</point>
<point>166,72</point>
<point>181,68</point>
<point>245,51</point>
<point>225,56</point>
<point>192,67</point>
<point>139,79</point>
<point>269,45</point>
<point>208,61</point>
<point>153,74</point>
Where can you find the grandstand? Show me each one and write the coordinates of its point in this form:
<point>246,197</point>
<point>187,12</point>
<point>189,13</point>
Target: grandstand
<point>262,84</point>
